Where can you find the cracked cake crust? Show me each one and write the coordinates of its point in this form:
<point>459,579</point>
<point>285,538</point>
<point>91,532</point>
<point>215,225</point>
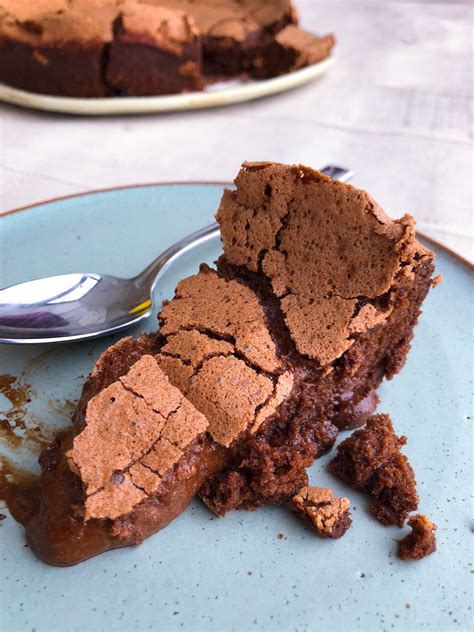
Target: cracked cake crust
<point>355,251</point>
<point>136,429</point>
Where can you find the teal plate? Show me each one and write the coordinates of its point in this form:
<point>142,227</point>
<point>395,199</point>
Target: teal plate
<point>250,571</point>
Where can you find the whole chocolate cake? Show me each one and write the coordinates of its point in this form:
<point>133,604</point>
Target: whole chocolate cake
<point>255,367</point>
<point>97,48</point>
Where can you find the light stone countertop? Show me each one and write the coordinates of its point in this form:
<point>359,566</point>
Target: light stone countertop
<point>397,107</point>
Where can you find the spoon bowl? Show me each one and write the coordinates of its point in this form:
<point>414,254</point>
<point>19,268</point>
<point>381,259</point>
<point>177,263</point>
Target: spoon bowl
<point>86,305</point>
<point>70,307</point>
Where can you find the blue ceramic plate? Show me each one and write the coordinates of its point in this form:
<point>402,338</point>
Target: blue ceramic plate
<point>237,573</point>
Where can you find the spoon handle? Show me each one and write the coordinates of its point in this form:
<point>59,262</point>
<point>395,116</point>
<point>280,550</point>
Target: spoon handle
<point>150,275</point>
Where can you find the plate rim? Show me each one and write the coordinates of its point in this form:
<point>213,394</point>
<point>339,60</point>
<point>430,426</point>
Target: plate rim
<point>181,102</point>
<point>459,258</point>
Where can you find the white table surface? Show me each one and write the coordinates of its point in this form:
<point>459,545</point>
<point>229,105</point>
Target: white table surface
<point>397,107</point>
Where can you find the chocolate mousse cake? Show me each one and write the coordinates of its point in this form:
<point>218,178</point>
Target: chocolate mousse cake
<point>97,48</point>
<point>256,365</point>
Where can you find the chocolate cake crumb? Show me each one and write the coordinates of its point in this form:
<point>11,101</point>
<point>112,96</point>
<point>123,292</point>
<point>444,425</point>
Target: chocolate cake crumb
<point>329,516</point>
<point>420,542</point>
<point>370,460</point>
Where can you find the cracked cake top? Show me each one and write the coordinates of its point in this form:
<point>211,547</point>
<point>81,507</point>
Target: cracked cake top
<point>167,21</point>
<point>221,355</point>
<point>217,372</point>
<point>232,18</point>
<point>228,311</point>
<point>135,430</point>
<point>330,251</point>
<point>161,26</point>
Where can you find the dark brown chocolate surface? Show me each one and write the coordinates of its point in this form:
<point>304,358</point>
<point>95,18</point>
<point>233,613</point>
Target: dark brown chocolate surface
<point>226,352</point>
<point>92,48</point>
<point>370,460</point>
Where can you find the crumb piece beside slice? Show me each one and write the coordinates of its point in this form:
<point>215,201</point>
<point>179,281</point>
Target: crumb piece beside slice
<point>329,516</point>
<point>370,460</point>
<point>420,542</point>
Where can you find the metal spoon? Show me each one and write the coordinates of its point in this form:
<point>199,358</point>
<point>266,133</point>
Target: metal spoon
<point>88,305</point>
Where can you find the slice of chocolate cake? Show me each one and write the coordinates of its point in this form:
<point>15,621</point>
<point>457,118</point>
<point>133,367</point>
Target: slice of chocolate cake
<point>342,286</point>
<point>254,368</point>
<point>158,416</point>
